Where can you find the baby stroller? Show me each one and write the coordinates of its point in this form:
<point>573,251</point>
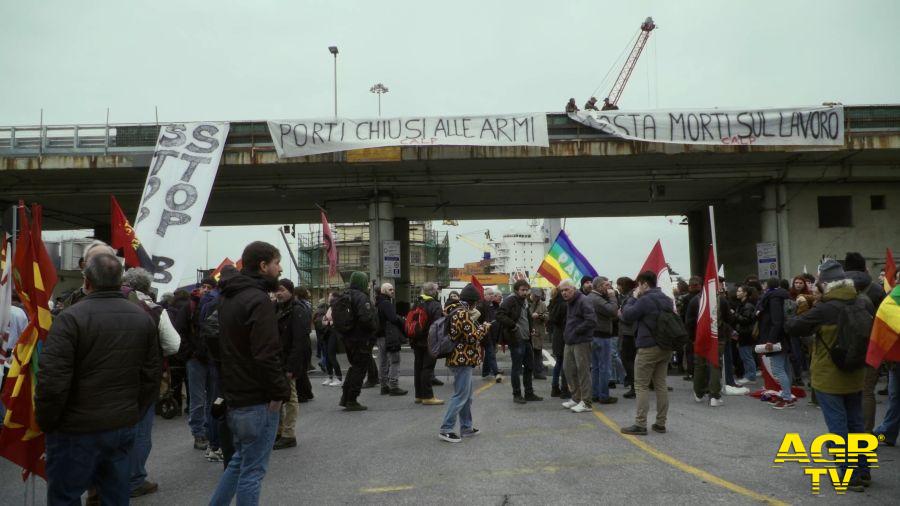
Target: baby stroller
<point>169,404</point>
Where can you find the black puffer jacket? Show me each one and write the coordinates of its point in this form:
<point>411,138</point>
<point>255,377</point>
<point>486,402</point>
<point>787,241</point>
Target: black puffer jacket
<point>252,371</point>
<point>294,323</point>
<point>390,325</point>
<point>771,319</point>
<point>744,321</point>
<point>99,366</point>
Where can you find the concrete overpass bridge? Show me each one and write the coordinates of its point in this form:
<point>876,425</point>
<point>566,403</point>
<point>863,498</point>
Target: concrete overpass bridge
<point>811,201</point>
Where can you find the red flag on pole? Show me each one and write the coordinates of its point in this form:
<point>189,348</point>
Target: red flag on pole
<point>330,246</point>
<point>21,440</point>
<point>122,238</point>
<point>656,263</point>
<point>706,341</point>
<point>890,271</point>
<point>478,286</point>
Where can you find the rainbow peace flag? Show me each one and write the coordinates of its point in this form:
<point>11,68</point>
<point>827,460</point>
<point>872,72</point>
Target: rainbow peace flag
<point>564,261</point>
<point>884,342</point>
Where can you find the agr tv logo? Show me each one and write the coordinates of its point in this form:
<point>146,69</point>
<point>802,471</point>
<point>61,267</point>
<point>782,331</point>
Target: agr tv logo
<point>825,456</point>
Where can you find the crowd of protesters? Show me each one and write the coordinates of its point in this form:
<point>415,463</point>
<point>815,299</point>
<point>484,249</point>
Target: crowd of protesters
<point>235,355</point>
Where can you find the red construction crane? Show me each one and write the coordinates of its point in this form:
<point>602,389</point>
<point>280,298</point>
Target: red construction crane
<point>619,86</point>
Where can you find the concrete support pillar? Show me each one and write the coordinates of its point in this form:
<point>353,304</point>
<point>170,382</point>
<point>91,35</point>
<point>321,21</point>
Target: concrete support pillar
<point>381,227</point>
<point>402,285</point>
<point>698,241</point>
<point>775,226</point>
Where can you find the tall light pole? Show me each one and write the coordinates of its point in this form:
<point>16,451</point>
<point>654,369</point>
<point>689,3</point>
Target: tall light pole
<point>379,89</point>
<point>334,51</point>
<point>207,247</point>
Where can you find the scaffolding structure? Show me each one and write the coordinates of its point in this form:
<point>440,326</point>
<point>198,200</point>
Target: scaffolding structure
<point>429,256</point>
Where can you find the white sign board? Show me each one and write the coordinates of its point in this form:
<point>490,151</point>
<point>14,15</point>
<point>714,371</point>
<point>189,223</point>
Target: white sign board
<point>180,178</point>
<point>391,256</point>
<point>817,126</point>
<point>311,137</point>
<point>767,260</point>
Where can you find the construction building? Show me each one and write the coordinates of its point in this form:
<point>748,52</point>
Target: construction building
<point>429,256</point>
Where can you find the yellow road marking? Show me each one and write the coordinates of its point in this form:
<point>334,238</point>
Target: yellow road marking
<point>687,468</point>
<point>385,490</point>
<point>485,387</point>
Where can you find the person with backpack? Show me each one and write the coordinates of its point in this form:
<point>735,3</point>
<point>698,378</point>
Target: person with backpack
<point>646,310</point>
<point>516,332</point>
<point>467,353</point>
<point>770,313</point>
<point>389,341</point>
<point>841,321</point>
<point>356,321</point>
<point>419,320</point>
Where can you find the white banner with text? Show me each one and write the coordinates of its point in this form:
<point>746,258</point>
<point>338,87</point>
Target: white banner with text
<point>817,126</point>
<point>311,137</point>
<point>179,181</point>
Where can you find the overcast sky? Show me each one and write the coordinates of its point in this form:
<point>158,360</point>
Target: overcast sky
<point>233,60</point>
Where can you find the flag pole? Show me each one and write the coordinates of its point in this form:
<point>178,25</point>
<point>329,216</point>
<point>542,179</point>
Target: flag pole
<point>712,230</point>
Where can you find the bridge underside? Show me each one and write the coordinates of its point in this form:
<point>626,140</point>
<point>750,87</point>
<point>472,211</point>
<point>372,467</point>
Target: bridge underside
<point>448,183</point>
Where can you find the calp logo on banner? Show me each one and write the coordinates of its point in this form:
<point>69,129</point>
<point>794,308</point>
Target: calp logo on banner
<point>826,453</point>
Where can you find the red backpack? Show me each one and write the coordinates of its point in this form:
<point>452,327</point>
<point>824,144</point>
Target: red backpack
<point>416,325</point>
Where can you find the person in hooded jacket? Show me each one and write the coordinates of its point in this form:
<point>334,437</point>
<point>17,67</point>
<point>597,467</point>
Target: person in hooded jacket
<point>770,314</point>
<point>423,365</point>
<point>254,383</point>
<point>358,340</point>
<point>390,327</point>
<point>291,332</point>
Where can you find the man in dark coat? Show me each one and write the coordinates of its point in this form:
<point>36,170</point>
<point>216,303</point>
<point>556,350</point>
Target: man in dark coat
<point>390,327</point>
<point>516,320</point>
<point>290,331</point>
<point>254,383</point>
<point>99,373</point>
<point>358,336</point>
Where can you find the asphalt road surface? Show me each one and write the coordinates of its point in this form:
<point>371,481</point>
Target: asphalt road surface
<point>537,453</point>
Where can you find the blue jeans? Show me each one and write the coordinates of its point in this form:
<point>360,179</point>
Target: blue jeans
<point>558,372</point>
<point>78,461</point>
<point>253,429</point>
<point>143,431</point>
<point>460,404</point>
<point>489,367</point>
<point>748,357</point>
<point>843,415</point>
<point>891,424</point>
<point>522,367</point>
<point>781,371</point>
<point>601,348</point>
<point>617,367</point>
<point>197,373</point>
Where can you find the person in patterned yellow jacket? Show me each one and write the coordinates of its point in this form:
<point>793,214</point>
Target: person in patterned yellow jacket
<point>467,354</point>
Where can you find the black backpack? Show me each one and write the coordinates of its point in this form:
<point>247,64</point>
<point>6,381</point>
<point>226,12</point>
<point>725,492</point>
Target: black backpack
<point>670,331</point>
<point>852,342</point>
<point>346,315</point>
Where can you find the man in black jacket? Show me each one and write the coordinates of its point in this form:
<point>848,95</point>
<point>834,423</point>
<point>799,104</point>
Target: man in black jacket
<point>99,372</point>
<point>357,330</point>
<point>290,330</point>
<point>254,383</point>
<point>606,306</point>
<point>513,315</point>
<point>389,329</point>
<point>487,309</point>
<point>423,366</point>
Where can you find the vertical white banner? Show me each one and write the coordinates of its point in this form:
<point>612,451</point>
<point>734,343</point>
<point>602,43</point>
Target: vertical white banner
<point>180,178</point>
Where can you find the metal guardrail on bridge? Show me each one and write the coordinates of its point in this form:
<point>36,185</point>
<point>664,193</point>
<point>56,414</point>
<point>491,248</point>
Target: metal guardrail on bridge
<point>140,138</point>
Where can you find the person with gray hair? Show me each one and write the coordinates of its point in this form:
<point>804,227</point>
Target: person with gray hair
<point>100,371</point>
<point>92,249</point>
<point>389,339</point>
<point>136,284</point>
<point>603,299</point>
<point>429,307</point>
<point>581,322</point>
<point>487,309</point>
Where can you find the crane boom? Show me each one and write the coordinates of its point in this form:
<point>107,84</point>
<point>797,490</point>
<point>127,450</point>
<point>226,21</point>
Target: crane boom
<point>619,86</point>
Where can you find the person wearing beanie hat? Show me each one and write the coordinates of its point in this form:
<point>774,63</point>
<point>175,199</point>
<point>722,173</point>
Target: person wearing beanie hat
<point>467,354</point>
<point>587,285</point>
<point>839,392</point>
<point>356,321</point>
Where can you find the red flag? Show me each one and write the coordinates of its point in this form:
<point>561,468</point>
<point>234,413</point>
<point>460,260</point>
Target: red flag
<point>890,271</point>
<point>217,273</point>
<point>706,341</point>
<point>477,285</point>
<point>122,238</point>
<point>330,246</point>
<point>21,440</point>
<point>657,264</point>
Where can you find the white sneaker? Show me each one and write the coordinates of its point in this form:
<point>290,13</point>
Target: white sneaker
<point>730,390</point>
<point>715,403</point>
<point>697,399</point>
<point>741,381</point>
<point>328,382</point>
<point>337,383</point>
<point>581,408</point>
<point>569,404</point>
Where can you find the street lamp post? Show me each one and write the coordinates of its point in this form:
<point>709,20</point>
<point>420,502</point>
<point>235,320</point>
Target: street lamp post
<point>334,51</point>
<point>379,89</point>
